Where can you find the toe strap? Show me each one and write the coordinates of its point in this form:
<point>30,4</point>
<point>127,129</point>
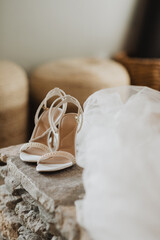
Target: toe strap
<point>41,146</point>
<point>49,158</point>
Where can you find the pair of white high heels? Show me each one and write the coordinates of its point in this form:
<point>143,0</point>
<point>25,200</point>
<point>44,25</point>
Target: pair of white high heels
<point>52,144</point>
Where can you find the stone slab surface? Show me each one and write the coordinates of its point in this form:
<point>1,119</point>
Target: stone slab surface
<point>7,152</point>
<point>1,181</point>
<point>19,219</point>
<point>9,223</point>
<point>43,204</point>
<point>50,189</point>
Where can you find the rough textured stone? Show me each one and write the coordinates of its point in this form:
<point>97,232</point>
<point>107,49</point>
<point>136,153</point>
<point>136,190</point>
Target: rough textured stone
<point>1,238</point>
<point>39,206</point>
<point>12,201</point>
<point>9,222</point>
<point>3,171</point>
<point>11,184</point>
<point>1,181</point>
<point>26,234</point>
<point>65,221</point>
<point>29,216</point>
<point>56,238</point>
<point>8,152</point>
<point>15,212</point>
<point>51,189</point>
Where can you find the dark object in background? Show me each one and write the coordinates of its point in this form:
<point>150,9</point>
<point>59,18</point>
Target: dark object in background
<point>141,55</point>
<point>148,39</point>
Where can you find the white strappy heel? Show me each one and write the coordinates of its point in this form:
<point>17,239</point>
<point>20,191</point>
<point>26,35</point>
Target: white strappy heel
<point>42,139</point>
<point>69,125</point>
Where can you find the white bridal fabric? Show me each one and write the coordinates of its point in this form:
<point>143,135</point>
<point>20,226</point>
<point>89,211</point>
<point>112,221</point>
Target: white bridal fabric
<point>119,148</point>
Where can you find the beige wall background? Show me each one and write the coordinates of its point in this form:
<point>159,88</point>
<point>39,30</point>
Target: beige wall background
<point>35,31</point>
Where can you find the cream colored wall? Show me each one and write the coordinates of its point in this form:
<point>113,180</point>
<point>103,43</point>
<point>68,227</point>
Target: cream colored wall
<point>35,31</point>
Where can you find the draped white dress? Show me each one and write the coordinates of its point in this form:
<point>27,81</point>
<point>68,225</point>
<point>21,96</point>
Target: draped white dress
<point>119,149</point>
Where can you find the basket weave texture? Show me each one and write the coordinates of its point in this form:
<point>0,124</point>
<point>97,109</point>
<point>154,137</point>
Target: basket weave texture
<point>143,72</point>
<point>77,77</point>
<point>13,104</point>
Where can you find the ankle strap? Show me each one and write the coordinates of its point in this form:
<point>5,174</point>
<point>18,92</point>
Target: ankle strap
<point>50,94</point>
<point>66,99</point>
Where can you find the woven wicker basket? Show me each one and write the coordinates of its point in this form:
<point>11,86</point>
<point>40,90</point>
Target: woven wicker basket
<point>13,104</point>
<point>77,77</point>
<point>143,72</point>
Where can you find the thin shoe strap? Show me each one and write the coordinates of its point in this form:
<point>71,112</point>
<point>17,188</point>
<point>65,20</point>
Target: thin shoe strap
<point>51,156</point>
<point>67,99</point>
<point>43,104</point>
